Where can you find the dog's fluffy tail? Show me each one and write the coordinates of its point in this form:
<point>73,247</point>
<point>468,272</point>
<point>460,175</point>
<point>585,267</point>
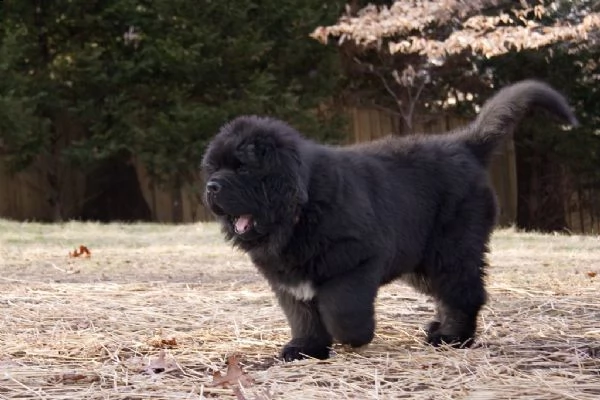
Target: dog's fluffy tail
<point>504,110</point>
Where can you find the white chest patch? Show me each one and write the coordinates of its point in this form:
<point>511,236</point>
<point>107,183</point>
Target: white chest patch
<point>303,291</point>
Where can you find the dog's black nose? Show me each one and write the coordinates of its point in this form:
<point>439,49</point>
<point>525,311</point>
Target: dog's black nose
<point>213,186</point>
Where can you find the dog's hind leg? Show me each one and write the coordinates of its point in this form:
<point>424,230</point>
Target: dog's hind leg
<point>456,271</point>
<point>309,336</point>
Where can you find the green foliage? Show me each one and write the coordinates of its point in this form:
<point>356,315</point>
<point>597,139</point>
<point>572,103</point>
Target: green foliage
<point>22,126</point>
<point>579,149</point>
<point>155,79</point>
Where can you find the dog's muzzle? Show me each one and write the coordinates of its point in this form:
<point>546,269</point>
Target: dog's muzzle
<point>213,187</point>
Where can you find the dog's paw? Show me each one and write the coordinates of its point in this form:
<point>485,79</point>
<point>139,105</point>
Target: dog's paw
<point>298,349</point>
<point>437,336</point>
<point>436,339</point>
<point>432,327</point>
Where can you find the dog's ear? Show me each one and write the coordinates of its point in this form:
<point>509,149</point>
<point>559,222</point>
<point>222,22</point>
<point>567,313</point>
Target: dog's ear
<point>290,164</point>
<point>301,189</point>
<point>268,151</point>
<point>258,153</point>
<point>275,156</point>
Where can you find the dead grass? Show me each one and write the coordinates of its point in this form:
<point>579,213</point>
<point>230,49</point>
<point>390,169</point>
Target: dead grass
<point>87,328</point>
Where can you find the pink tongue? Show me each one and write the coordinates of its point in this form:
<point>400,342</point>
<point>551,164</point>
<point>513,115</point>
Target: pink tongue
<point>242,224</point>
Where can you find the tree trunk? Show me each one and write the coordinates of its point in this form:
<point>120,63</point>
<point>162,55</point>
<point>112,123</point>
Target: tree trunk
<point>53,173</point>
<point>176,202</point>
<point>113,193</point>
<point>540,204</point>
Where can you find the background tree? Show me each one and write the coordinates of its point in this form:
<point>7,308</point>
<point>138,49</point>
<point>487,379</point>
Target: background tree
<point>555,166</point>
<point>422,57</point>
<point>151,82</point>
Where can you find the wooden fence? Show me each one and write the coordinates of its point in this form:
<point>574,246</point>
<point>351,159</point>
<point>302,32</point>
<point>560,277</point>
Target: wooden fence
<point>24,196</point>
<point>369,124</point>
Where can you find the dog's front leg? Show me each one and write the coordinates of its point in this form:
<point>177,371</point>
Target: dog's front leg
<point>346,306</point>
<point>309,336</point>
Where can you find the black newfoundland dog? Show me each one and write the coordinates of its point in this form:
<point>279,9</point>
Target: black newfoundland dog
<point>327,226</point>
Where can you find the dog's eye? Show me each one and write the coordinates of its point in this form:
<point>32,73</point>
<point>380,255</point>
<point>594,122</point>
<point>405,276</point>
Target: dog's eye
<point>209,168</point>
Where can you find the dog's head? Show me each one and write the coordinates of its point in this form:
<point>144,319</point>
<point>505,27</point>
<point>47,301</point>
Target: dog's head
<point>254,179</point>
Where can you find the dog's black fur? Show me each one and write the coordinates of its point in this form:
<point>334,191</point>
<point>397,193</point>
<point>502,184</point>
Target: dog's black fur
<point>327,226</point>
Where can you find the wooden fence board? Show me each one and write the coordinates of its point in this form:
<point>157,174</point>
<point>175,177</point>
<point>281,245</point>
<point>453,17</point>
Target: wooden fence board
<point>22,196</point>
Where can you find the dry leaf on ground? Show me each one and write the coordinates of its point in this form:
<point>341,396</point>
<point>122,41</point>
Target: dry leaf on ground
<point>81,251</point>
<point>235,375</point>
<point>160,342</point>
<point>160,365</point>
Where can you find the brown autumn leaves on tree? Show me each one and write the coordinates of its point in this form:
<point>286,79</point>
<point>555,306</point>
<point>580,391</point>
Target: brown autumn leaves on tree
<point>411,43</point>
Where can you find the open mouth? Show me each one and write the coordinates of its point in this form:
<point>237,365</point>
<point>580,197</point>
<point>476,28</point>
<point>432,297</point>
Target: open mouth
<point>242,224</point>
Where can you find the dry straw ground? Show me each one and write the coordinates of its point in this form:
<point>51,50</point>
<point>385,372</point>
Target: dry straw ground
<point>77,328</point>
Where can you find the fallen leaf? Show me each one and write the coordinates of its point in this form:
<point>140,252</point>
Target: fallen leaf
<point>159,342</point>
<point>160,365</point>
<point>235,375</point>
<point>591,274</point>
<point>82,251</point>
